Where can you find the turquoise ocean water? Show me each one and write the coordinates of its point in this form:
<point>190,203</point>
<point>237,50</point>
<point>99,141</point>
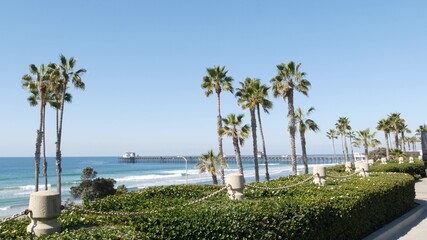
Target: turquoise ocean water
<point>17,175</point>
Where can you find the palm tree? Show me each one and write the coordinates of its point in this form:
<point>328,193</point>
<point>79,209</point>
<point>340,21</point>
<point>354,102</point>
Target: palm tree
<point>395,122</point>
<point>288,79</point>
<point>38,87</point>
<point>403,128</point>
<point>366,139</point>
<point>384,125</point>
<point>238,134</point>
<point>420,129</point>
<point>218,81</point>
<point>343,125</point>
<point>351,135</point>
<point>304,124</point>
<point>207,163</point>
<point>246,99</point>
<point>332,134</point>
<point>261,100</point>
<point>65,73</point>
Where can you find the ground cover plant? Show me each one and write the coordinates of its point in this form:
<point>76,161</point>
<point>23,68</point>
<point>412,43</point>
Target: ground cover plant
<point>346,208</point>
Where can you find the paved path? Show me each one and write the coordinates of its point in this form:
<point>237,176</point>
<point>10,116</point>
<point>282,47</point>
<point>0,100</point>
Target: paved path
<point>412,225</point>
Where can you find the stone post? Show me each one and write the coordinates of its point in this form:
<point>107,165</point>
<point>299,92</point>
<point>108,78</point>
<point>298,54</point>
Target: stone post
<point>237,184</point>
<point>45,207</point>
<point>400,160</point>
<point>319,173</point>
<point>364,169</point>
<point>348,166</point>
<point>411,160</point>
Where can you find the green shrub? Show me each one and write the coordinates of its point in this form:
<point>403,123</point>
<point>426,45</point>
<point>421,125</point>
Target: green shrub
<point>348,208</point>
<point>415,169</point>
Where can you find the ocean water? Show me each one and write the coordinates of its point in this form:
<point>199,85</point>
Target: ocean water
<point>17,175</point>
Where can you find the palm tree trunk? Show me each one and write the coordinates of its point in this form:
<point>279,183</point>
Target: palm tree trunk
<point>346,149</point>
<point>333,146</point>
<point>267,175</point>
<point>343,148</point>
<point>387,149</point>
<point>396,139</point>
<point>44,148</point>
<point>366,151</point>
<point>304,152</point>
<point>351,147</point>
<point>220,149</point>
<point>37,161</point>
<point>58,143</point>
<point>291,129</point>
<point>403,141</point>
<point>237,153</point>
<point>38,150</point>
<point>255,143</point>
<point>214,179</point>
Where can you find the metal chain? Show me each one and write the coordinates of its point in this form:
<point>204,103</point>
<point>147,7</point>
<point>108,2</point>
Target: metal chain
<point>24,212</point>
<point>114,213</point>
<point>281,188</point>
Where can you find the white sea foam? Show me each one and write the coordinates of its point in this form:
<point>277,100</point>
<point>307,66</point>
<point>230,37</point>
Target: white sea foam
<point>5,208</point>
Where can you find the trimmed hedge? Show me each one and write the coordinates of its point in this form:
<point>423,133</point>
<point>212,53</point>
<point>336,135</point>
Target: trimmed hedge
<point>416,169</point>
<point>347,208</point>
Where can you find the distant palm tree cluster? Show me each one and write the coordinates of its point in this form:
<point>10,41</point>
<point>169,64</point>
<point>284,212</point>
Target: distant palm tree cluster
<point>253,95</point>
<point>392,124</point>
<point>48,84</point>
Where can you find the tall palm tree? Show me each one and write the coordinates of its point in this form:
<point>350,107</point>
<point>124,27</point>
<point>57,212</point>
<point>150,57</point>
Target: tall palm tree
<point>290,78</point>
<point>232,128</point>
<point>332,134</point>
<point>38,87</point>
<point>403,128</point>
<point>395,122</point>
<point>384,125</point>
<point>366,139</point>
<point>420,129</point>
<point>261,100</point>
<point>304,124</point>
<point>351,135</point>
<point>218,81</point>
<point>343,125</point>
<point>246,99</point>
<point>65,73</point>
<point>208,163</point>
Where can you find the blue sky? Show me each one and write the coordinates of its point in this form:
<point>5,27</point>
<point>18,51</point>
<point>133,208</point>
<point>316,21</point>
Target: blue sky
<point>146,61</point>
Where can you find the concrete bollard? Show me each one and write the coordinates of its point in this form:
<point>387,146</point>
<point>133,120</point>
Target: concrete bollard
<point>364,169</point>
<point>357,166</point>
<point>45,207</point>
<point>237,184</point>
<point>400,160</point>
<point>411,160</point>
<point>348,166</point>
<point>319,173</point>
<point>383,160</point>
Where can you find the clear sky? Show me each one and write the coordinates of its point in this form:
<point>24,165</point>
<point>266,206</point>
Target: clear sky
<point>146,60</point>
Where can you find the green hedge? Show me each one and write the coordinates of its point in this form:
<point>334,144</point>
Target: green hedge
<point>347,208</point>
<point>416,169</point>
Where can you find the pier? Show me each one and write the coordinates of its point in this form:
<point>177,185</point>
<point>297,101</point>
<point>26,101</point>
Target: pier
<point>312,159</point>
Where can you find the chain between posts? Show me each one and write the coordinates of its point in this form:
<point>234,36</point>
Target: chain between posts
<point>281,188</point>
<point>114,213</point>
<point>24,212</point>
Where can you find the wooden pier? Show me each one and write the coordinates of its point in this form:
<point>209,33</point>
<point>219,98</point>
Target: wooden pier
<point>312,159</point>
